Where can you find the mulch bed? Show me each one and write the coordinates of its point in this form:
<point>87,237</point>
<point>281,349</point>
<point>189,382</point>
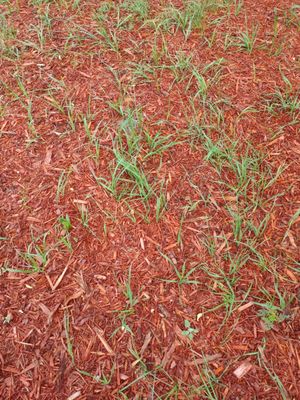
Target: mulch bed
<point>79,299</point>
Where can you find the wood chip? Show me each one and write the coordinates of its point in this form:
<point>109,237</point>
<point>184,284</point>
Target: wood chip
<point>171,246</point>
<point>74,395</point>
<point>163,311</point>
<point>78,201</point>
<point>48,157</point>
<point>230,198</point>
<point>223,245</point>
<point>60,278</point>
<point>205,359</point>
<point>152,241</point>
<point>84,74</point>
<point>45,309</point>
<point>245,306</point>
<point>29,367</point>
<point>33,219</point>
<point>146,342</point>
<point>74,296</point>
<point>291,275</point>
<point>292,239</point>
<point>101,277</point>
<point>243,369</point>
<point>168,354</point>
<point>100,335</point>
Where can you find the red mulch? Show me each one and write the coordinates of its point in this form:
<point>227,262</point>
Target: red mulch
<point>34,360</point>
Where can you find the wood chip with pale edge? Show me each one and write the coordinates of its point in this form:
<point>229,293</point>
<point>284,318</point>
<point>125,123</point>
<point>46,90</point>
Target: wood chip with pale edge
<point>59,279</point>
<point>291,275</point>
<point>245,306</point>
<point>168,354</point>
<point>74,395</point>
<point>243,369</point>
<point>146,342</point>
<point>100,335</point>
<point>204,360</point>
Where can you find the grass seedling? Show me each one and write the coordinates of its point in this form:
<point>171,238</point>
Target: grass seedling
<point>294,218</point>
<point>183,275</point>
<point>71,115</point>
<point>110,38</point>
<point>159,50</point>
<point>26,102</point>
<point>46,19</point>
<point>275,378</point>
<point>92,137</point>
<point>292,16</point>
<point>161,203</point>
<point>39,30</point>
<point>8,33</point>
<point>186,19</point>
<point>65,223</point>
<point>210,245</point>
<point>128,180</point>
<point>210,41</point>
<point>209,381</point>
<point>102,12</point>
<point>135,173</point>
<point>201,85</point>
<point>65,239</point>
<point>247,39</point>
<point>140,8</point>
<point>283,100</point>
<point>237,224</point>
<point>158,144</point>
<point>181,64</point>
<point>142,72</point>
<point>103,379</point>
<point>69,341</point>
<point>224,287</point>
<point>61,184</point>
<point>238,5</point>
<point>131,299</point>
<point>236,261</point>
<point>84,216</point>
<point>275,24</point>
<point>36,256</point>
<point>130,132</point>
<point>272,314</point>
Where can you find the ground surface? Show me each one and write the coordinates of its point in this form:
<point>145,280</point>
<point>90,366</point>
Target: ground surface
<point>149,199</point>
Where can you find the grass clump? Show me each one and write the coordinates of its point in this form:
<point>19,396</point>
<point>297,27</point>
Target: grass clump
<point>189,17</point>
